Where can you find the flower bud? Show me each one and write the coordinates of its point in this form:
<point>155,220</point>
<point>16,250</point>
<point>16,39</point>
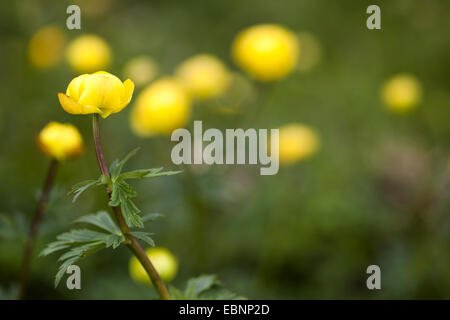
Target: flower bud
<point>162,259</point>
<point>88,53</point>
<point>160,108</point>
<point>267,52</point>
<point>100,92</point>
<point>60,141</point>
<point>204,75</point>
<point>297,142</point>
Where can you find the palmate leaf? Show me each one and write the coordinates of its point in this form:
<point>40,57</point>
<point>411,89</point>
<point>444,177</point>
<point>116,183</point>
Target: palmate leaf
<point>205,287</point>
<point>82,242</point>
<point>144,236</point>
<point>79,188</point>
<point>117,165</point>
<point>101,220</point>
<point>122,193</point>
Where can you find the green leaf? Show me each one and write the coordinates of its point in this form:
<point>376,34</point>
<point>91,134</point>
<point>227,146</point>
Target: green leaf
<point>205,287</point>
<point>197,285</point>
<point>137,174</point>
<point>82,242</point>
<point>114,240</point>
<point>81,236</point>
<point>131,213</point>
<point>175,293</point>
<point>117,165</point>
<point>101,220</point>
<point>147,173</point>
<point>161,174</point>
<point>122,193</point>
<point>79,188</point>
<point>144,236</point>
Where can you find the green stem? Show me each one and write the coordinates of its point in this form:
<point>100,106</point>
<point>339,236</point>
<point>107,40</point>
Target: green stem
<point>34,226</point>
<point>133,245</point>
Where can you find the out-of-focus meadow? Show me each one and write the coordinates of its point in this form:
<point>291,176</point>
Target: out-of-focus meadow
<point>369,183</point>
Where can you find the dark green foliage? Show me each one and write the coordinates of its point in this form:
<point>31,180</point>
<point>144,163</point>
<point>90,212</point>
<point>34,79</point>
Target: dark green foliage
<point>205,287</point>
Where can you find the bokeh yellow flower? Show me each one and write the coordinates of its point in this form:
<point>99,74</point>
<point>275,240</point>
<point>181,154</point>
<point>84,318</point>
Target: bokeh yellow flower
<point>160,108</point>
<point>46,47</point>
<point>88,53</point>
<point>60,141</point>
<point>100,92</point>
<point>267,52</point>
<point>141,70</point>
<point>401,93</point>
<point>297,142</point>
<point>204,75</point>
<point>162,259</point>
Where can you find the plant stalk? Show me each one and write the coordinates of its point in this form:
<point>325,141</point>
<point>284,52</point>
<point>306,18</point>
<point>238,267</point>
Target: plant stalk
<point>133,245</point>
<point>34,226</point>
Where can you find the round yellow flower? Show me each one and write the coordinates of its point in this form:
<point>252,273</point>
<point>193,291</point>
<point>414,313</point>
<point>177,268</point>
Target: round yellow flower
<point>267,52</point>
<point>141,70</point>
<point>46,47</point>
<point>88,53</point>
<point>297,142</point>
<point>204,75</point>
<point>100,92</point>
<point>60,141</point>
<point>162,259</point>
<point>160,108</point>
<point>401,93</point>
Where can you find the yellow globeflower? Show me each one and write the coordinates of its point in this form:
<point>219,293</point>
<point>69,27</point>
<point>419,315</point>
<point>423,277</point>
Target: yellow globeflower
<point>141,70</point>
<point>100,92</point>
<point>297,142</point>
<point>60,141</point>
<point>401,93</point>
<point>160,108</point>
<point>88,53</point>
<point>204,75</point>
<point>46,47</point>
<point>267,52</point>
<point>162,259</point>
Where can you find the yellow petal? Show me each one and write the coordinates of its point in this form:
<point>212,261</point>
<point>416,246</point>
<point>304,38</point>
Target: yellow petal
<point>102,91</point>
<point>75,87</point>
<point>71,106</point>
<point>128,92</point>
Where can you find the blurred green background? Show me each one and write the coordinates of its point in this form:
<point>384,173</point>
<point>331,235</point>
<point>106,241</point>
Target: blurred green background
<point>376,192</point>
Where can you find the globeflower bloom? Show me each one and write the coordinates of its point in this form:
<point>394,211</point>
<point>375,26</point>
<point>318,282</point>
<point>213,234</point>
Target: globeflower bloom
<point>100,92</point>
<point>297,142</point>
<point>46,47</point>
<point>88,53</point>
<point>164,262</point>
<point>267,52</point>
<point>401,93</point>
<point>60,141</point>
<point>160,108</point>
<point>204,75</point>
